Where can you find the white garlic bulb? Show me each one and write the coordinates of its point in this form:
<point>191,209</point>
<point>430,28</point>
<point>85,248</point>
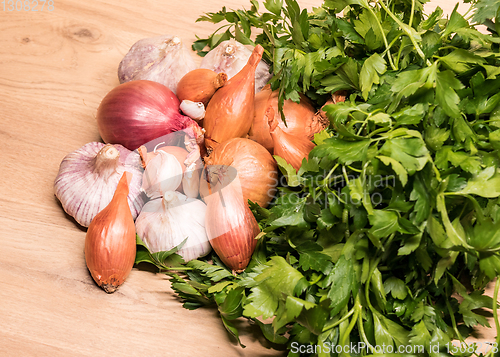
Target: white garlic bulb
<point>88,178</point>
<point>166,222</point>
<point>163,59</point>
<point>230,57</point>
<point>163,173</point>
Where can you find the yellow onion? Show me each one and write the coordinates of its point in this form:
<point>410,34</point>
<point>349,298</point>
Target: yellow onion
<point>230,112</point>
<point>293,149</point>
<point>300,118</point>
<point>230,224</point>
<point>256,168</point>
<point>199,85</point>
<point>110,240</point>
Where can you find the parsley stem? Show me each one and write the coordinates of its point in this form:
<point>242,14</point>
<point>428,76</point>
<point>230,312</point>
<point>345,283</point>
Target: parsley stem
<point>362,333</point>
<point>405,28</point>
<point>495,309</point>
<point>329,326</point>
<point>452,317</point>
<point>411,13</point>
<point>367,284</point>
<point>495,315</point>
<point>353,321</point>
<point>331,172</point>
<point>389,56</point>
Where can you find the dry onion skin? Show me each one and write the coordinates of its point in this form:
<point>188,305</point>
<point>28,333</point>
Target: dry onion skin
<point>255,166</point>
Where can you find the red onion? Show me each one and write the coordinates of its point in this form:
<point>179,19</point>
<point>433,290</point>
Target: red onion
<point>136,112</point>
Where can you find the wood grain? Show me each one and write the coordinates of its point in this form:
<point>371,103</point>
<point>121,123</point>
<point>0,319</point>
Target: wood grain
<point>55,67</point>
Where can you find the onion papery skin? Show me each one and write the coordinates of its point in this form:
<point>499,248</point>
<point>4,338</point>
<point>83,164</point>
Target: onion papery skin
<point>256,168</point>
<point>136,112</point>
<point>230,224</point>
<point>230,112</point>
<point>110,243</point>
<point>300,118</point>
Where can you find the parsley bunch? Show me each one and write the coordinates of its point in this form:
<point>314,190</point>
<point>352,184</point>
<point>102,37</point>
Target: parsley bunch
<point>390,232</point>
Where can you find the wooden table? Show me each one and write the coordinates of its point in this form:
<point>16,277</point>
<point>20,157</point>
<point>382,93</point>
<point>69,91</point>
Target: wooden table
<point>55,68</point>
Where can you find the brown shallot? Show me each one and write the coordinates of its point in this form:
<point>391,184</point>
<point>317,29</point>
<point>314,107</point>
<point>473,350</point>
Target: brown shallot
<point>230,224</point>
<point>199,85</point>
<point>230,112</point>
<point>293,149</point>
<point>256,168</point>
<point>110,243</point>
<point>300,118</point>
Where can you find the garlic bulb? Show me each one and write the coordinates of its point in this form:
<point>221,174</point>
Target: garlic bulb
<point>88,178</point>
<point>163,173</point>
<point>162,59</point>
<point>165,222</point>
<point>230,57</point>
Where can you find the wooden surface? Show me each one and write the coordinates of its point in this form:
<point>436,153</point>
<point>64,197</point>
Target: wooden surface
<point>55,68</point>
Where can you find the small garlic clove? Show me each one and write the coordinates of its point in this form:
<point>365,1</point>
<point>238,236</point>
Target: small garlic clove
<point>191,181</point>
<point>162,59</point>
<point>163,173</point>
<point>194,110</point>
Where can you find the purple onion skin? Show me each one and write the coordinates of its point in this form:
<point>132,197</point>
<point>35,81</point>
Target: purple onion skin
<point>136,112</point>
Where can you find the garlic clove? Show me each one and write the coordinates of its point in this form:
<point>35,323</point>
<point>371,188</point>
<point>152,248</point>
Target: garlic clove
<point>191,181</point>
<point>194,110</point>
<point>163,59</point>
<point>166,222</point>
<point>163,173</point>
<point>88,177</point>
<point>230,57</point>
